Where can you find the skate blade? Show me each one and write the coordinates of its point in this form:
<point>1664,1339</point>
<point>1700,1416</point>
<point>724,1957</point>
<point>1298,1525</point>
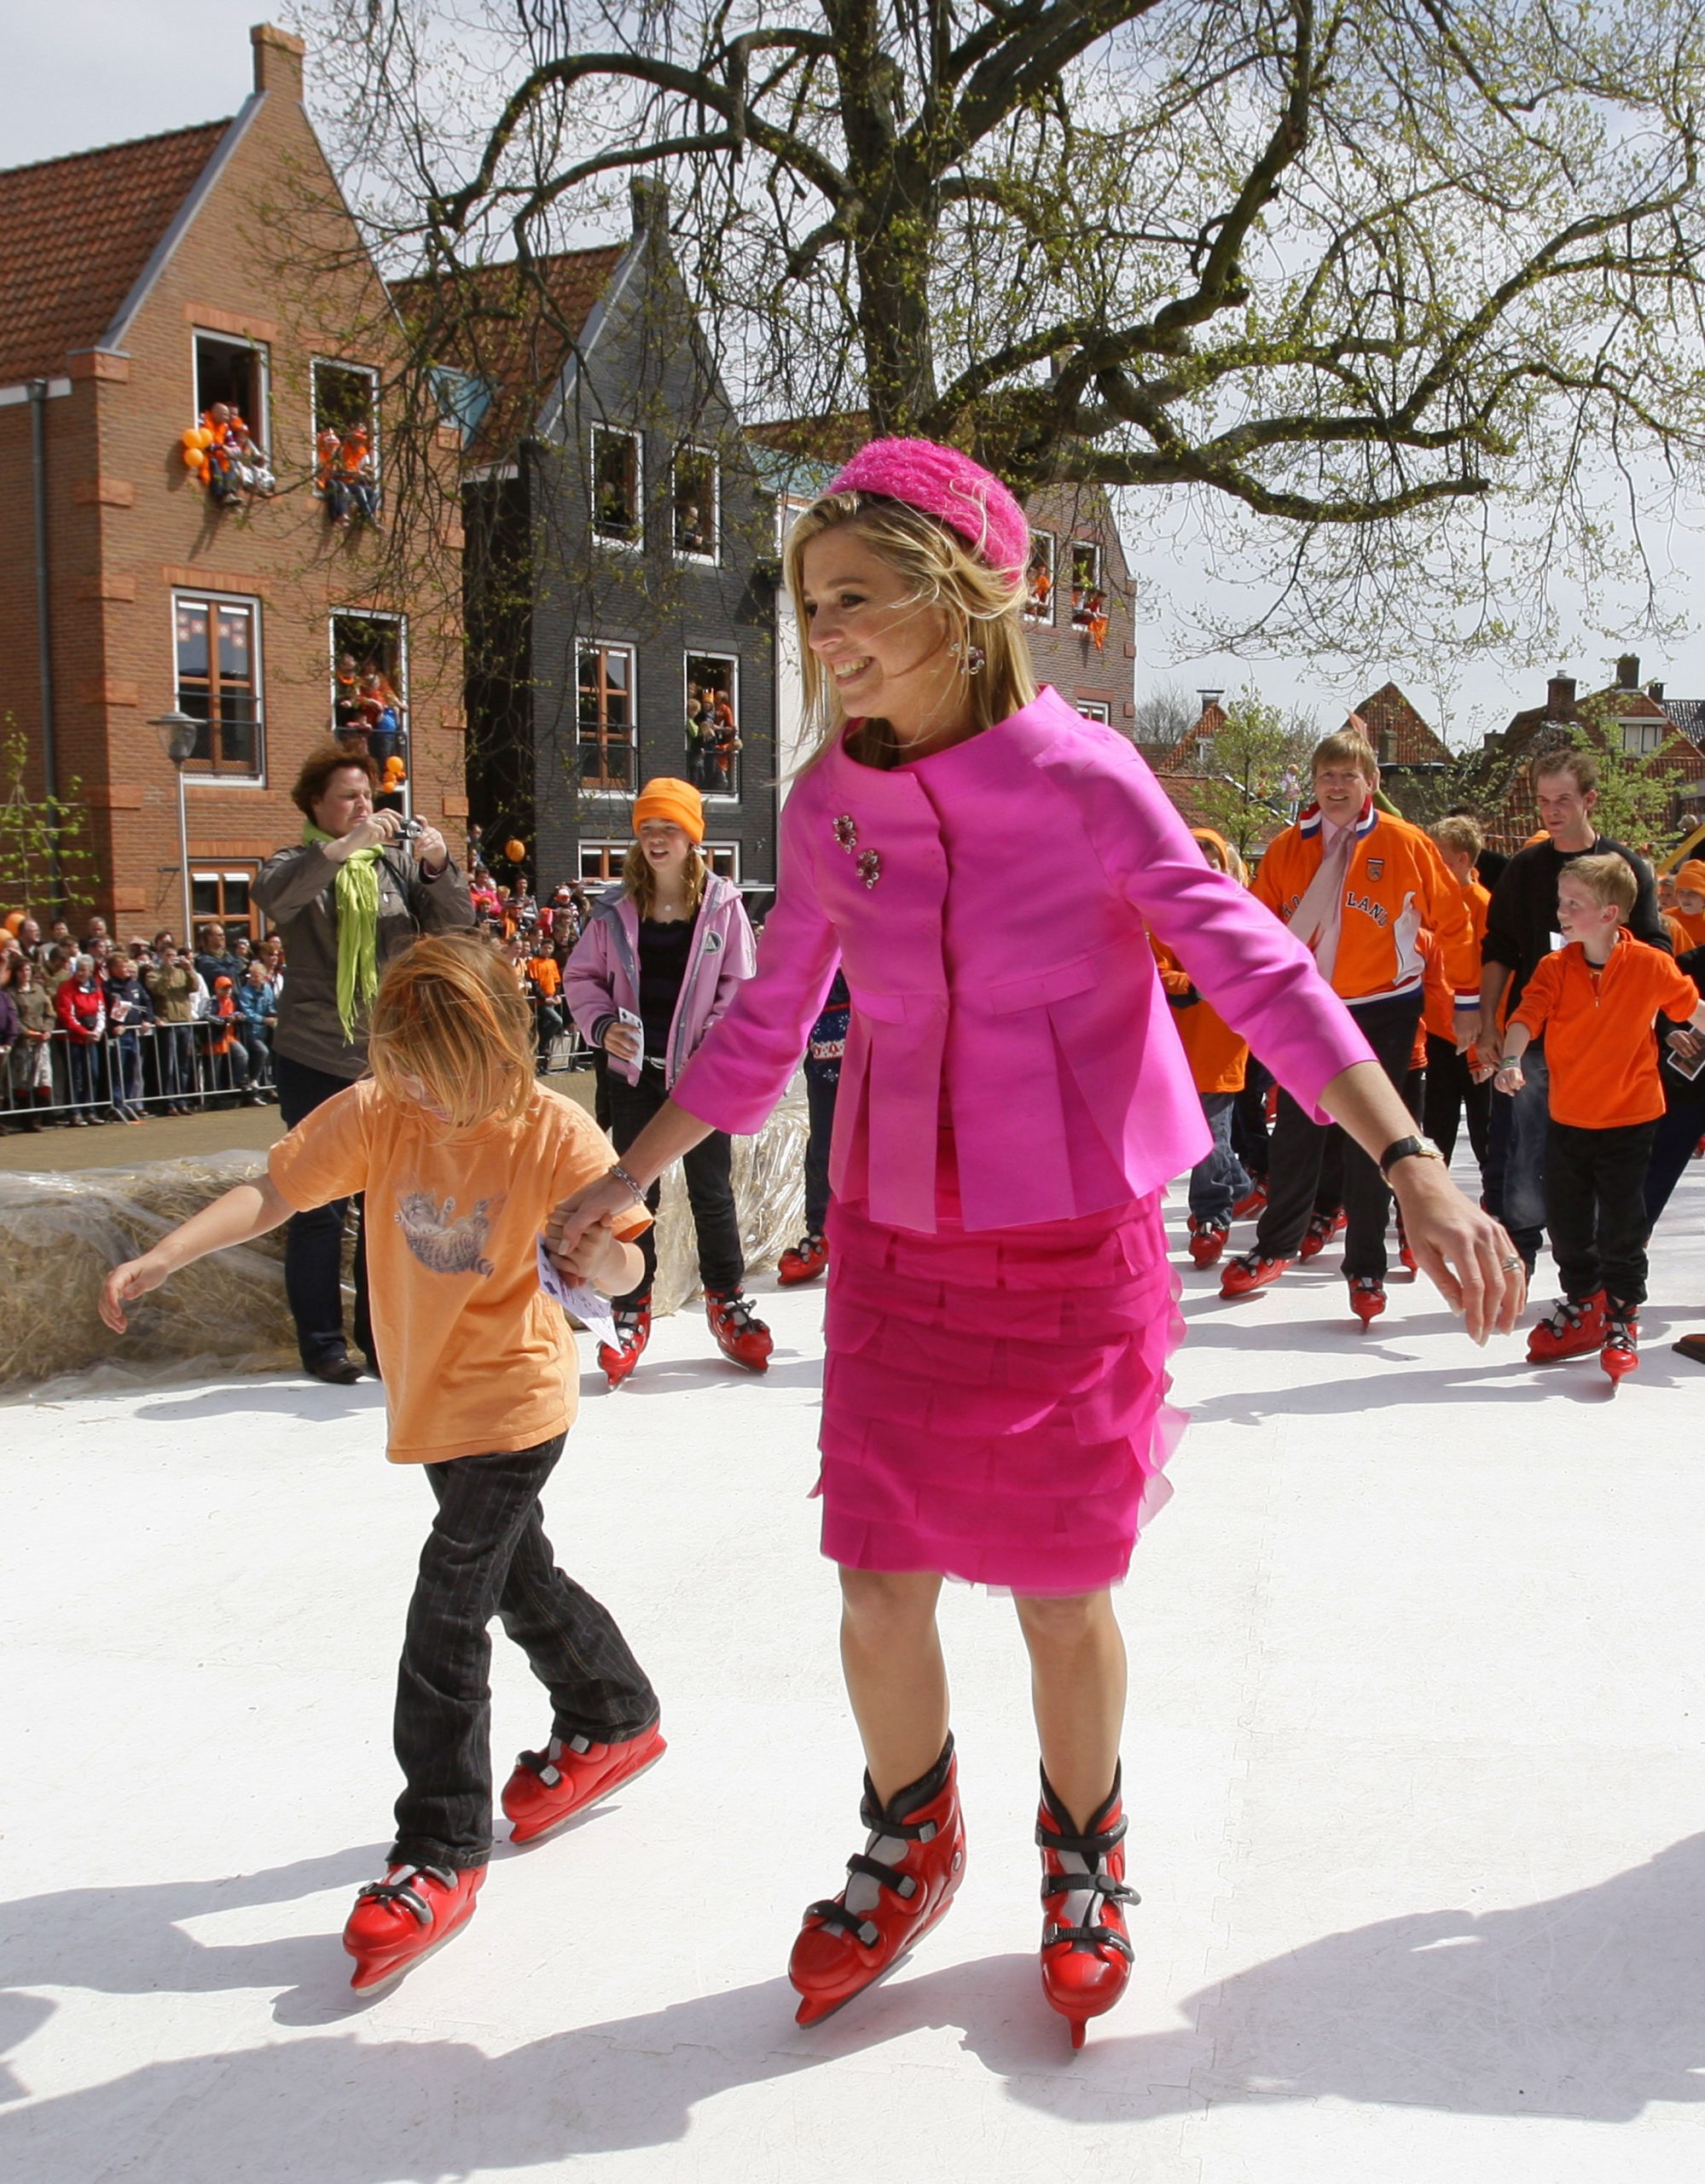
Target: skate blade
<point>579,1812</point>
<point>810,2014</point>
<point>382,1980</point>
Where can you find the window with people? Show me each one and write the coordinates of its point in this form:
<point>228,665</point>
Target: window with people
<point>369,708</point>
<point>713,723</point>
<point>1088,591</point>
<point>225,448</point>
<point>1039,599</point>
<point>346,443</point>
<point>616,486</point>
<point>695,503</point>
<point>217,651</point>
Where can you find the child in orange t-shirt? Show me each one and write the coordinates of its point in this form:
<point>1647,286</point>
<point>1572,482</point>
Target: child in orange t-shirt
<point>1594,1001</point>
<point>462,1156</point>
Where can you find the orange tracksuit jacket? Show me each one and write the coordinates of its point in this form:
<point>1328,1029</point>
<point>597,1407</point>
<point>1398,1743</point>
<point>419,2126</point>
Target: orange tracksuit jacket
<point>1397,883</point>
<point>1217,1057</point>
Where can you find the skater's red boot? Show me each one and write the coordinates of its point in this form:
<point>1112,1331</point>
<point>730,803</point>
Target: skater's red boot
<point>739,1334</point>
<point>1208,1240</point>
<point>1251,1202</point>
<point>1322,1228</point>
<point>397,1920</point>
<point>633,1332</point>
<point>548,1787</point>
<point>1406,1257</point>
<point>1249,1271</point>
<point>898,1888</point>
<point>1620,1354</point>
<point>1086,1950</point>
<point>1367,1298</point>
<point>803,1261</point>
<point>1574,1329</point>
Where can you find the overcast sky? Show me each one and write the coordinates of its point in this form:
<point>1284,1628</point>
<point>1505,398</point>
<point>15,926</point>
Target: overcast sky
<point>83,72</point>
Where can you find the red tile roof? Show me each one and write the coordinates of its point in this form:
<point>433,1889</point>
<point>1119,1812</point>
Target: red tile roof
<point>1388,714</point>
<point>75,233</point>
<point>514,334</point>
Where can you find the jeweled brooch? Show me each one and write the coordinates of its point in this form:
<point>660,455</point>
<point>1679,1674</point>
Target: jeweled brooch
<point>869,868</point>
<point>846,831</point>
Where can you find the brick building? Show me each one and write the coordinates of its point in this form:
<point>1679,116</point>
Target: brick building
<point>140,284</point>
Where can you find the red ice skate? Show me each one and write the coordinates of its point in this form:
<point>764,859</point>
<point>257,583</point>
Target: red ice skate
<point>1208,1240</point>
<point>1086,1950</point>
<point>898,1888</point>
<point>1574,1329</point>
<point>739,1334</point>
<point>1250,1203</point>
<point>1322,1228</point>
<point>549,1787</point>
<point>1367,1298</point>
<point>1248,1272</point>
<point>1620,1354</point>
<point>397,1920</point>
<point>633,1332</point>
<point>1405,1257</point>
<point>803,1261</point>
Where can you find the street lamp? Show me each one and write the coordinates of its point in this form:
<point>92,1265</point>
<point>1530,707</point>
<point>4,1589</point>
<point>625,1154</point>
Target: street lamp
<point>178,734</point>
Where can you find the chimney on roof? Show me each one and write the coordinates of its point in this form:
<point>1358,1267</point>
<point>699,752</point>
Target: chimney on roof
<point>1655,692</point>
<point>650,201</point>
<point>277,61</point>
<point>1628,671</point>
<point>1560,695</point>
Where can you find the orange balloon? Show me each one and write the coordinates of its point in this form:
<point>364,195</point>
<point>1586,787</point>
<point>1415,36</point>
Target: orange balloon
<point>205,436</point>
<point>192,458</point>
<point>515,851</point>
<point>191,436</point>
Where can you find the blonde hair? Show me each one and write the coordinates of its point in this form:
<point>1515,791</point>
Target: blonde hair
<point>983,607</point>
<point>1347,743</point>
<point>1608,879</point>
<point>639,878</point>
<point>1461,833</point>
<point>1221,855</point>
<point>451,1011</point>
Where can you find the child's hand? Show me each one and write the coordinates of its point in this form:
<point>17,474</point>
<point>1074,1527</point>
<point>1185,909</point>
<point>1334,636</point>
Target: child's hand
<point>1508,1078</point>
<point>134,1279</point>
<point>596,1254</point>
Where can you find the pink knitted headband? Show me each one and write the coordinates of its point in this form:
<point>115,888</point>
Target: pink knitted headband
<point>942,482</point>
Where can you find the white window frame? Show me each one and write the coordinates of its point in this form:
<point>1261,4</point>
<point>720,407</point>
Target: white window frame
<point>615,851</point>
<point>606,644</point>
<point>260,426</point>
<point>729,850</point>
<point>1096,709</point>
<point>189,595</point>
<point>1042,617</point>
<point>222,916</point>
<point>401,621</point>
<point>367,372</point>
<point>637,543</point>
<point>713,559</point>
<point>1097,584</point>
<point>1641,738</point>
<point>722,659</point>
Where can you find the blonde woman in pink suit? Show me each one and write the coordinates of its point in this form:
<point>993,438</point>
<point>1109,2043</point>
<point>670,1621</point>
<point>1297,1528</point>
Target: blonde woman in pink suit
<point>1013,1101</point>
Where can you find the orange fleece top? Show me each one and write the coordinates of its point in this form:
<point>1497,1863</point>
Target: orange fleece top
<point>1397,882</point>
<point>1217,1056</point>
<point>478,1360</point>
<point>1599,1031</point>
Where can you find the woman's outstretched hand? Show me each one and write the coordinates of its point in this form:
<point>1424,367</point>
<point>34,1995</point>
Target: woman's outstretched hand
<point>1465,1254</point>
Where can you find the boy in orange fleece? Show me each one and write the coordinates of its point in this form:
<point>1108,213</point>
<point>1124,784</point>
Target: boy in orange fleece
<point>1594,1000</point>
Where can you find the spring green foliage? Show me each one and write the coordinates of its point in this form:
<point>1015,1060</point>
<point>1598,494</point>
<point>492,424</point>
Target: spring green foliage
<point>43,865</point>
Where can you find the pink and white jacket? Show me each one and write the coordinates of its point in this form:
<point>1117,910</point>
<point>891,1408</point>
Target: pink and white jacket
<point>603,974</point>
<point>1044,1036</point>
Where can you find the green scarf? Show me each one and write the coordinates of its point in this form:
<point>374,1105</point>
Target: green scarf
<point>356,886</point>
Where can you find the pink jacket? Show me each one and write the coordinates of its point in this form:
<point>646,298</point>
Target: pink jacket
<point>1033,1015</point>
<point>603,974</point>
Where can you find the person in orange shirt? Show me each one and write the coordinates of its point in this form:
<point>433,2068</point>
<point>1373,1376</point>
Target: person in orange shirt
<point>1594,1001</point>
<point>1690,904</point>
<point>461,1157</point>
<point>1452,1093</point>
<point>1356,886</point>
<point>1219,1061</point>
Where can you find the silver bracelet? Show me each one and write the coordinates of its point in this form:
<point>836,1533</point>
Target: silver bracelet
<point>621,1177</point>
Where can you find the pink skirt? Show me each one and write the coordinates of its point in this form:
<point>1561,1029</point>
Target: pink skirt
<point>994,1402</point>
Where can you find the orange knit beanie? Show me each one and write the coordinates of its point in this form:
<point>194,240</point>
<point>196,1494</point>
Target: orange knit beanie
<point>678,802</point>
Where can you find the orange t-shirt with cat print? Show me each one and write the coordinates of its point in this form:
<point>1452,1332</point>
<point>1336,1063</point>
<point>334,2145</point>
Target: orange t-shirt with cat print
<point>478,1360</point>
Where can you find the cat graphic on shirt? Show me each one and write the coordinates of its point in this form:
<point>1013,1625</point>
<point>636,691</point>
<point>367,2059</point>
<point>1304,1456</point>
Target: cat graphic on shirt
<point>442,1244</point>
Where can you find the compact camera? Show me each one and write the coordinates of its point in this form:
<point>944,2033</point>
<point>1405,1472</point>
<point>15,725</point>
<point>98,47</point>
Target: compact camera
<point>413,829</point>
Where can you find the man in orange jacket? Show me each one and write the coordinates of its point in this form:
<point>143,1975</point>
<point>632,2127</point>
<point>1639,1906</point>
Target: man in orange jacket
<point>1356,886</point>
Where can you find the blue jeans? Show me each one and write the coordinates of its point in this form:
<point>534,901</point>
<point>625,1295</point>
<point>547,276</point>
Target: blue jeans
<point>1218,1180</point>
<point>1523,1124</point>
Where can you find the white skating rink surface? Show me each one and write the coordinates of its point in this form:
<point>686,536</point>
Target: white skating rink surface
<point>1414,1758</point>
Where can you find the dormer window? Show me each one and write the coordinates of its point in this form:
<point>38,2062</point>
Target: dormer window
<point>616,486</point>
<point>695,503</point>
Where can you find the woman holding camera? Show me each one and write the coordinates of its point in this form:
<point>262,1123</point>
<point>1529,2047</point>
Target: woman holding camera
<point>358,888</point>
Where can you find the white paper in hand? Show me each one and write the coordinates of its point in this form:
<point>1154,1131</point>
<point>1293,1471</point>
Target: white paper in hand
<point>588,1305</point>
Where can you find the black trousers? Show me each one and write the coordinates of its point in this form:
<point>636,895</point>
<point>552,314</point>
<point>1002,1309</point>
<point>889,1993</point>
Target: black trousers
<point>1300,1147</point>
<point>710,1188</point>
<point>1596,1208</point>
<point>1248,1121</point>
<point>1674,1138</point>
<point>1452,1095</point>
<point>314,1248</point>
<point>820,1094</point>
<point>487,1555</point>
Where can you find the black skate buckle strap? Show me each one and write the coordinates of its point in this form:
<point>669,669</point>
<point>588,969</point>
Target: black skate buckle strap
<point>1089,1937</point>
<point>1114,1892</point>
<point>542,1764</point>
<point>879,1823</point>
<point>846,1922</point>
<point>1087,1846</point>
<point>404,1891</point>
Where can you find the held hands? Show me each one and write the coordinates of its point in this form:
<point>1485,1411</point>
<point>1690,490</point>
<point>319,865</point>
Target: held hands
<point>590,1209</point>
<point>135,1278</point>
<point>600,1257</point>
<point>1465,1254</point>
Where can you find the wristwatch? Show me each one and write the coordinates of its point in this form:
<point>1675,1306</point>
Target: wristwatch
<point>1407,1148</point>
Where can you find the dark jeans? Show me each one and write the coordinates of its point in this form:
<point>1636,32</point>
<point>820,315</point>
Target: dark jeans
<point>819,1095</point>
<point>87,1074</point>
<point>1596,1208</point>
<point>1299,1147</point>
<point>175,1045</point>
<point>1219,1178</point>
<point>710,1188</point>
<point>1451,1095</point>
<point>1676,1133</point>
<point>314,1248</point>
<point>487,1555</point>
<point>1249,1139</point>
